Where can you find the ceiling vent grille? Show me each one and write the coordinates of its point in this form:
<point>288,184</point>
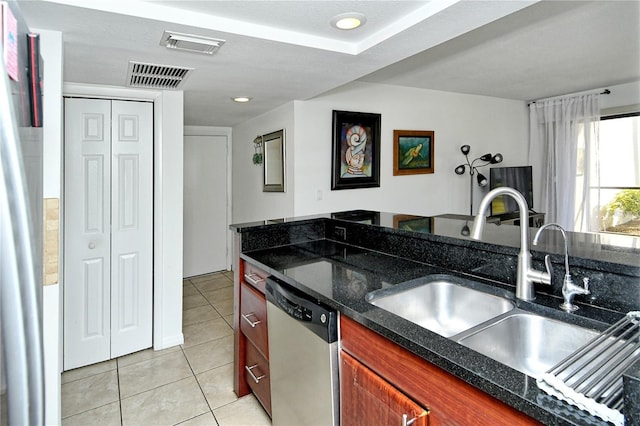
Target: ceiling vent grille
<point>153,76</point>
<point>190,42</point>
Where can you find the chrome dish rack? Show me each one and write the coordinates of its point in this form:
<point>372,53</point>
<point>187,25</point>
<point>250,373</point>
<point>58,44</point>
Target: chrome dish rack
<point>591,377</point>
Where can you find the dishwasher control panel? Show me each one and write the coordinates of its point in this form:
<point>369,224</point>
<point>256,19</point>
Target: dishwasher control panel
<point>317,317</point>
<point>293,309</point>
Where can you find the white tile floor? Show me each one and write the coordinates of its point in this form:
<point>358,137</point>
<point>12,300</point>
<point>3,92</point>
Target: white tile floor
<point>191,384</point>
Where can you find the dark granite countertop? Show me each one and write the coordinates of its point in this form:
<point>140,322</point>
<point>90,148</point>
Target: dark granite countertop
<point>341,274</point>
<point>615,249</point>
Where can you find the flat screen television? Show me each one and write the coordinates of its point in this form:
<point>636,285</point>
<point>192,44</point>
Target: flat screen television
<point>518,178</point>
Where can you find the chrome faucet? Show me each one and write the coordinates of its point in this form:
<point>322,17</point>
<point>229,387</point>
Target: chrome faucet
<point>569,289</point>
<point>526,275</point>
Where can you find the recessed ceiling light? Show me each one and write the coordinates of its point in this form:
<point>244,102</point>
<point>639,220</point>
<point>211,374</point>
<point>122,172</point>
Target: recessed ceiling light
<point>241,99</point>
<point>348,21</point>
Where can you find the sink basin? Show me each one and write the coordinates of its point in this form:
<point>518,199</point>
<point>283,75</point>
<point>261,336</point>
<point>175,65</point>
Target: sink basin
<point>440,304</point>
<point>529,343</point>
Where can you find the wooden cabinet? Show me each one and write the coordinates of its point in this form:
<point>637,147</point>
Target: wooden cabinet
<point>367,399</point>
<point>258,377</point>
<point>254,276</point>
<point>253,318</point>
<point>251,344</point>
<point>450,400</point>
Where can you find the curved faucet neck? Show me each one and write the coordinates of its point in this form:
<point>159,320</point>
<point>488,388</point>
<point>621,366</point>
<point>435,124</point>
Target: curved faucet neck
<point>525,274</point>
<point>564,237</point>
<point>480,219</point>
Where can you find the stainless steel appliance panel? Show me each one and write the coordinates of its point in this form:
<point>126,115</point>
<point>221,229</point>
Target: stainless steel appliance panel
<point>303,358</point>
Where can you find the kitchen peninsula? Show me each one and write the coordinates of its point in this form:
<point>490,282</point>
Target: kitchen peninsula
<point>339,258</point>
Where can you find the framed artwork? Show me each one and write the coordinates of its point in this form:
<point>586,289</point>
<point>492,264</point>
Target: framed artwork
<point>273,152</point>
<point>413,223</point>
<point>355,159</point>
<point>412,152</point>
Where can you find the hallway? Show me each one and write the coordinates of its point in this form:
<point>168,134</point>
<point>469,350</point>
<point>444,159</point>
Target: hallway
<point>190,384</point>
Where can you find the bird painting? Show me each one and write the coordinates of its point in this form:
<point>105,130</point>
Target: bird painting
<point>411,154</point>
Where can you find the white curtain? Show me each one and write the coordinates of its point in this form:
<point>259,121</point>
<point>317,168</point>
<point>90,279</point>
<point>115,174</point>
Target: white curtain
<point>564,153</point>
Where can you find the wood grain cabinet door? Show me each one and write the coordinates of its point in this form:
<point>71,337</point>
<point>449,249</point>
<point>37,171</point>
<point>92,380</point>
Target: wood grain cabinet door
<point>253,318</point>
<point>367,399</point>
<point>258,376</point>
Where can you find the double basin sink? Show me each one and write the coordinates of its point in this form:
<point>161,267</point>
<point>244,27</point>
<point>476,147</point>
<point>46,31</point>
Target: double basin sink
<point>485,320</point>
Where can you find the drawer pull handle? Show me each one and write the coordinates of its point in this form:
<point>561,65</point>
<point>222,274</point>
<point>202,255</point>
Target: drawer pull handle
<point>254,279</point>
<point>253,376</point>
<point>406,421</point>
<point>251,323</point>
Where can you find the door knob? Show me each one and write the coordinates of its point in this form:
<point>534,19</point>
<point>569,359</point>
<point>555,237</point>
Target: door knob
<point>92,246</point>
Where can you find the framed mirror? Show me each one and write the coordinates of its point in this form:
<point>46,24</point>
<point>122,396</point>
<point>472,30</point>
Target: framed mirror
<point>273,148</point>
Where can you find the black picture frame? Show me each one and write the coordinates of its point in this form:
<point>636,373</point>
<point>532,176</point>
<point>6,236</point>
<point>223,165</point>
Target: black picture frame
<point>355,160</point>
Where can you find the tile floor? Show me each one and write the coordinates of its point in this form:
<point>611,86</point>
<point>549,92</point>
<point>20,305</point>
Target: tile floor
<point>190,384</point>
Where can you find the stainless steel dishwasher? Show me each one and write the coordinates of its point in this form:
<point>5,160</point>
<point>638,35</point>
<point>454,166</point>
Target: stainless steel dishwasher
<point>303,358</point>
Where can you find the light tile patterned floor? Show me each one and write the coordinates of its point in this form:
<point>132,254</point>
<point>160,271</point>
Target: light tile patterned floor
<point>191,384</point>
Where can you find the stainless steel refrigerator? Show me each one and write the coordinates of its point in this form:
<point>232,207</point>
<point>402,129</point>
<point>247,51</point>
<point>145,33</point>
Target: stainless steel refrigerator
<point>21,373</point>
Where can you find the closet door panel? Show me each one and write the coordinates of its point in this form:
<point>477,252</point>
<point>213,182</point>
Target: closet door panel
<point>132,227</point>
<point>87,257</point>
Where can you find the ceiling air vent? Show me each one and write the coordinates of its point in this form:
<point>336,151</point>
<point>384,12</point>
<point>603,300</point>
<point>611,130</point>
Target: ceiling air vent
<point>190,42</point>
<point>153,76</point>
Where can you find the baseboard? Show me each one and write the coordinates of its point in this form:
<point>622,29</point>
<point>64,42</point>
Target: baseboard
<point>169,342</point>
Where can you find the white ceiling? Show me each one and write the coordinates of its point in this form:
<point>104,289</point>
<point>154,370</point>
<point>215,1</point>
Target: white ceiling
<point>278,51</point>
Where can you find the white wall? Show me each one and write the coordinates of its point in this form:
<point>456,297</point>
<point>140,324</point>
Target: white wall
<point>168,164</point>
<point>622,99</point>
<point>487,124</point>
<point>52,54</point>
<point>249,202</point>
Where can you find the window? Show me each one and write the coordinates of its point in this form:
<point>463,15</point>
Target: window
<point>616,197</point>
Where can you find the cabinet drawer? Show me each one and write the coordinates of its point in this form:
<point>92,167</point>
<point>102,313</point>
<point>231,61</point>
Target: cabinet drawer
<point>257,376</point>
<point>254,276</point>
<point>253,318</point>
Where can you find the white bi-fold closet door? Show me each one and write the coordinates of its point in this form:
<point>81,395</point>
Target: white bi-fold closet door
<point>108,229</point>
